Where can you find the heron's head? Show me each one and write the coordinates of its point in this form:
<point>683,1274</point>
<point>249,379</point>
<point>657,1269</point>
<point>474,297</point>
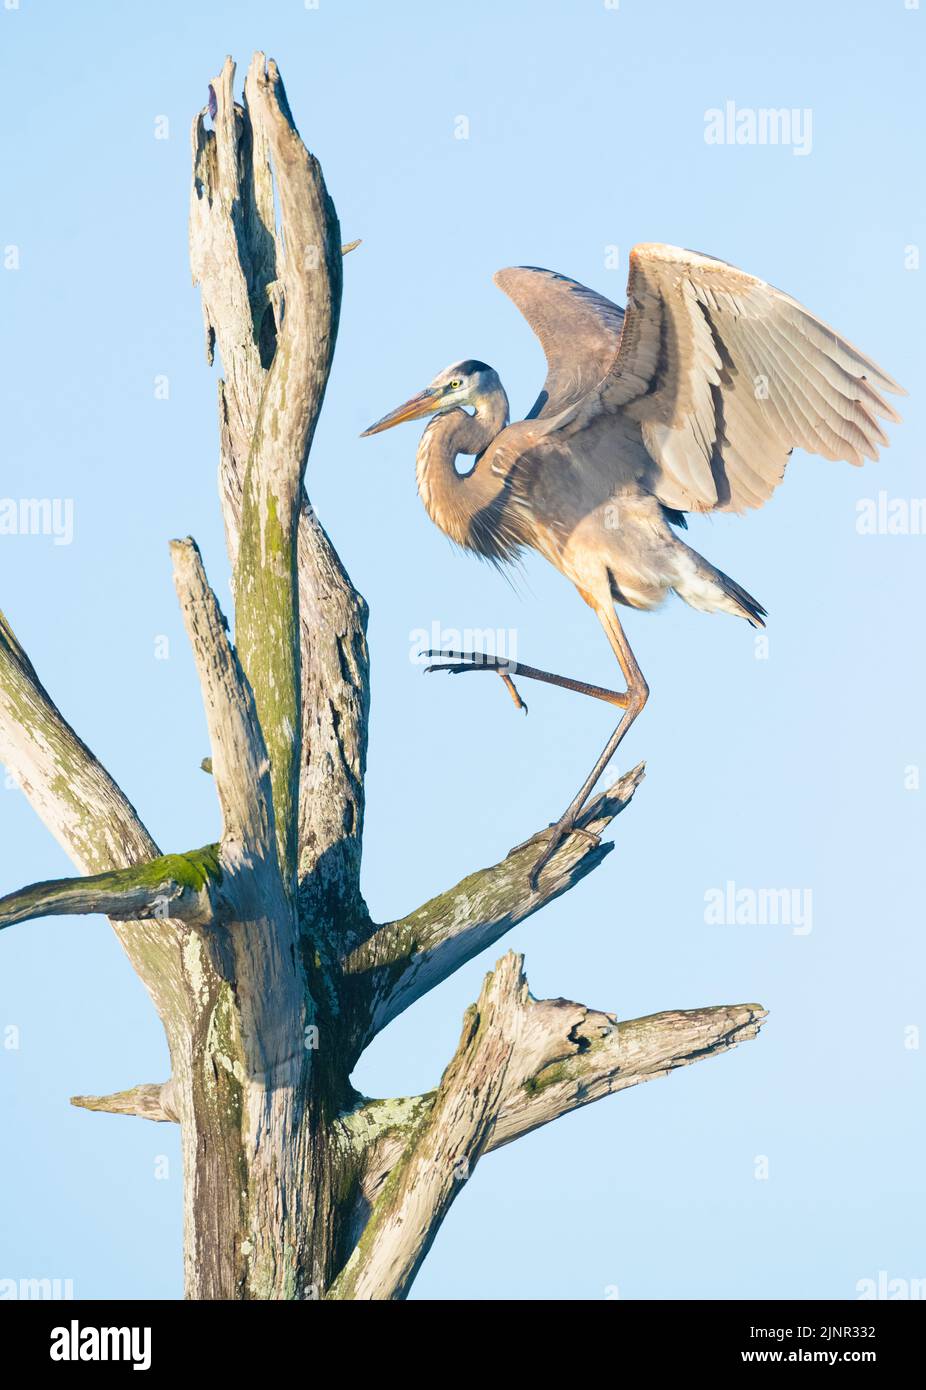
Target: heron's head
<point>466,383</point>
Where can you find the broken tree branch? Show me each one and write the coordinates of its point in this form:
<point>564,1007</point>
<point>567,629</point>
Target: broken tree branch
<point>335,712</point>
<point>73,795</point>
<point>238,262</point>
<point>149,1102</point>
<point>181,886</point>
<point>601,1056</point>
<point>308,254</point>
<point>429,1175</point>
<point>239,763</point>
<point>88,814</point>
<point>403,960</point>
<point>548,1058</point>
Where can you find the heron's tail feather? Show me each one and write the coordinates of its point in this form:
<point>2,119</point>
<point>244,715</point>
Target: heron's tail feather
<point>703,586</point>
<point>749,607</point>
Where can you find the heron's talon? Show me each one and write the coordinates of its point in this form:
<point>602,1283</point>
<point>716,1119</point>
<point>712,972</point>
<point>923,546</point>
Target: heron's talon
<point>556,836</point>
<point>513,691</point>
<point>455,663</point>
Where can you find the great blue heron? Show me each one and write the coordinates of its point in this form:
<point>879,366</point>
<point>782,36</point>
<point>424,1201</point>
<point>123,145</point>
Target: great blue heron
<point>691,401</point>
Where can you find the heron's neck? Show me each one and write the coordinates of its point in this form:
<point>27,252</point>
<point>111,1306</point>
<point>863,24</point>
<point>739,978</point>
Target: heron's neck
<point>452,499</point>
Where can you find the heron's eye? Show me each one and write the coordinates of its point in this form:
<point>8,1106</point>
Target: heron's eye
<point>455,384</point>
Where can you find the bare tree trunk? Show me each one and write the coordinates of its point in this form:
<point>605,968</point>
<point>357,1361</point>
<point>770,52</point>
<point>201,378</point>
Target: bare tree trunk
<point>258,952</point>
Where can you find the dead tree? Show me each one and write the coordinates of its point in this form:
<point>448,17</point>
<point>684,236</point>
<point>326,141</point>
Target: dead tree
<point>258,952</point>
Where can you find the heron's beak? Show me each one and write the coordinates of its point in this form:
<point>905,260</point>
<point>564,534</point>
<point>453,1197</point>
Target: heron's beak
<point>425,403</point>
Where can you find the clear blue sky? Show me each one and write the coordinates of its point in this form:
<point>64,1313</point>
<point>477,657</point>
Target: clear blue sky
<point>586,132</point>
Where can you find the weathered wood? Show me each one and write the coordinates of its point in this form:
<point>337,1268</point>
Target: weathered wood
<point>401,961</point>
<point>266,582</point>
<point>591,1055</point>
<point>87,813</point>
<point>521,1063</point>
<point>186,887</point>
<point>239,763</point>
<point>442,1152</point>
<point>237,259</point>
<point>598,1056</point>
<point>335,714</point>
<point>269,1008</point>
<point>152,1102</point>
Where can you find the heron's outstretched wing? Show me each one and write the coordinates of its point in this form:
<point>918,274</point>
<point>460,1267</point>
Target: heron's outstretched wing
<point>578,329</point>
<point>726,375</point>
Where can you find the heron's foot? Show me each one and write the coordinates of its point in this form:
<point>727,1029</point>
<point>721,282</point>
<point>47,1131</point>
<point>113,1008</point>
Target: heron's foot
<point>454,663</point>
<point>506,667</point>
<point>555,837</point>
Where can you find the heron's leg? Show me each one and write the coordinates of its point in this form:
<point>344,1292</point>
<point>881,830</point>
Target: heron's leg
<point>506,668</point>
<point>637,693</point>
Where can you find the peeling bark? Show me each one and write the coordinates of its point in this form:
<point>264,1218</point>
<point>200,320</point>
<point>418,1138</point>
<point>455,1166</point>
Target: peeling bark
<point>268,974</point>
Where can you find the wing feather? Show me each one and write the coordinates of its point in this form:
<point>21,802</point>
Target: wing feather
<point>778,378</point>
<point>723,374</point>
<point>578,329</point>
